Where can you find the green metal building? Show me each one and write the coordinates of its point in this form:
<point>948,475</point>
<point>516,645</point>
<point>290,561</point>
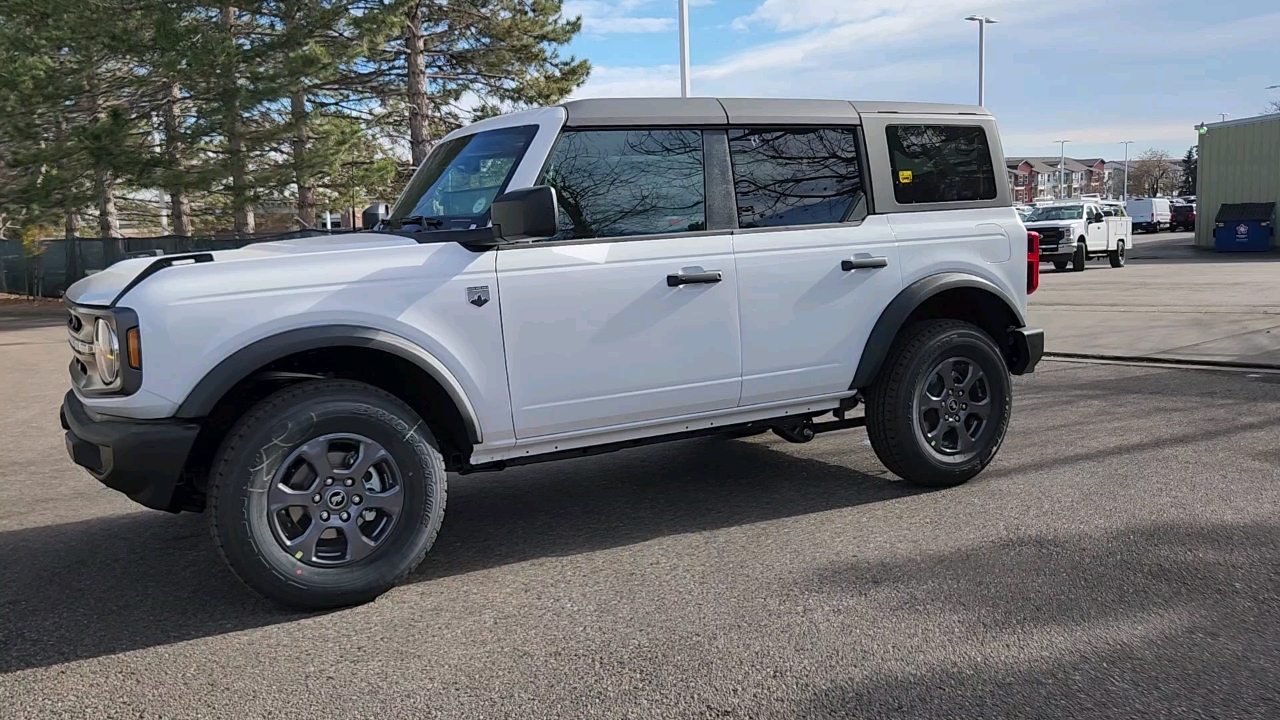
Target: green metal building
<point>1239,163</point>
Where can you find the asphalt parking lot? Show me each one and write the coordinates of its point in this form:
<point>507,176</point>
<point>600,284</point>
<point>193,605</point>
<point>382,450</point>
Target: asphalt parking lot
<point>1120,559</point>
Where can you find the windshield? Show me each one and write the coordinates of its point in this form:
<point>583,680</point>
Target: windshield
<point>461,177</point>
<point>1058,212</point>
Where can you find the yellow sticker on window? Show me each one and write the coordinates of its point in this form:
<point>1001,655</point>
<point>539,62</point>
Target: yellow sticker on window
<point>904,176</point>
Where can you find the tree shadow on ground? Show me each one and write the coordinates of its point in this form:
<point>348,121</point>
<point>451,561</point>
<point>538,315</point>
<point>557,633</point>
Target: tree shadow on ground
<point>31,319</point>
<point>1170,620</point>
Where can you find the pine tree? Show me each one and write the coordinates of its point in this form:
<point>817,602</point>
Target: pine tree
<point>467,58</point>
<point>1190,167</point>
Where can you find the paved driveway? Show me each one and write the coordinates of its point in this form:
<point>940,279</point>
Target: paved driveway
<point>1121,559</point>
<point>1169,302</point>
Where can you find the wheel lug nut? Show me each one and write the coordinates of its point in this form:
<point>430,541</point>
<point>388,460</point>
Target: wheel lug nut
<point>964,406</point>
<point>356,499</point>
<point>324,516</point>
<point>348,482</point>
<point>345,516</point>
<point>328,481</point>
<point>316,498</point>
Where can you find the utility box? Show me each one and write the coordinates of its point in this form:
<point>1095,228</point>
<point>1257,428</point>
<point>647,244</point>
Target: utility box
<point>1244,227</point>
<point>374,214</point>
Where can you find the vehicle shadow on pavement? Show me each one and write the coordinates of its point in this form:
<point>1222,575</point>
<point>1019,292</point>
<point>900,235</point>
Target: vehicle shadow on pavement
<point>1166,620</point>
<point>630,497</point>
<point>114,584</point>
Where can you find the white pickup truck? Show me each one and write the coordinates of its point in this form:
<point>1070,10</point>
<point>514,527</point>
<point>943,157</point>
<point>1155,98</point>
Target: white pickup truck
<point>1077,232</point>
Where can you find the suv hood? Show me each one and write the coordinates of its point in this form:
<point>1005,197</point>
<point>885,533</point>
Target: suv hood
<point>103,287</point>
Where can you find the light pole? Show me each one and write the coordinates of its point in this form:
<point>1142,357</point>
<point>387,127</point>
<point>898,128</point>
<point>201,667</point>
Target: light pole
<point>685,88</point>
<point>1124,194</point>
<point>1224,116</point>
<point>983,21</point>
<point>1062,168</point>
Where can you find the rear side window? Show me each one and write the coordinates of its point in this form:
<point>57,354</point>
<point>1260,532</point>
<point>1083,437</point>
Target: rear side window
<point>795,177</point>
<point>628,182</point>
<point>940,163</point>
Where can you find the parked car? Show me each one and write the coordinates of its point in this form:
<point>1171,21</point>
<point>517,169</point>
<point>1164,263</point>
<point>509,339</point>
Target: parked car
<point>1182,217</point>
<point>1150,214</point>
<point>1073,233</point>
<point>625,272</point>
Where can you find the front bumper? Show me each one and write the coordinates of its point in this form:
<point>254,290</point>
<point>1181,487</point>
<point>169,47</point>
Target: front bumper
<point>143,459</point>
<point>1028,348</point>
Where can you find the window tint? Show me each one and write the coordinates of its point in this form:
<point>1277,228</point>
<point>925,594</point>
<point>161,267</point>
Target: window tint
<point>628,182</point>
<point>461,177</point>
<point>794,177</point>
<point>940,163</point>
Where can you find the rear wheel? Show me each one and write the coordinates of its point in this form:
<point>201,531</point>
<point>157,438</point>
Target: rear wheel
<point>1117,255</point>
<point>938,411</point>
<point>326,494</point>
<point>1078,260</point>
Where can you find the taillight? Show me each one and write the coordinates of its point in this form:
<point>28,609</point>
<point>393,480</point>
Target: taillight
<point>1033,261</point>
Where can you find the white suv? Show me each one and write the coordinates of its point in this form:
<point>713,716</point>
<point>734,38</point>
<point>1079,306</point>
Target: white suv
<point>554,283</point>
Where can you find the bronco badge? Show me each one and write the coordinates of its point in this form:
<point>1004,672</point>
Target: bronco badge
<point>478,296</point>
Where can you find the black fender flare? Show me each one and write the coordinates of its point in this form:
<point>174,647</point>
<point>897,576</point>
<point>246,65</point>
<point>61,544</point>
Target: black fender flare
<point>901,307</point>
<point>247,360</point>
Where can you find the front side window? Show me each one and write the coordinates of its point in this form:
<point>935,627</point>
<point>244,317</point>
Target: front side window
<point>795,177</point>
<point>940,163</point>
<point>612,183</point>
<point>460,179</point>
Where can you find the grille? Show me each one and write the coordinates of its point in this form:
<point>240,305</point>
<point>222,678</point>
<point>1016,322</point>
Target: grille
<point>80,337</point>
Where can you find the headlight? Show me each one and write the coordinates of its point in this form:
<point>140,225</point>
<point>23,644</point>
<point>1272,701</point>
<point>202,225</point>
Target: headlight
<point>106,352</point>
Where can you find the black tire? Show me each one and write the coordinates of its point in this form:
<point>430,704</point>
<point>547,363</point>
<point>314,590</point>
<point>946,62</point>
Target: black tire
<point>1078,260</point>
<point>273,432</point>
<point>1117,256</point>
<point>1059,265</point>
<point>896,423</point>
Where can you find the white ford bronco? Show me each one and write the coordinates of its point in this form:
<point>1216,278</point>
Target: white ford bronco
<point>555,283</point>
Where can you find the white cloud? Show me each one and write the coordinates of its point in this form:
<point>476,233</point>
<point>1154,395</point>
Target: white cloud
<point>793,15</point>
<point>600,17</point>
<point>651,81</point>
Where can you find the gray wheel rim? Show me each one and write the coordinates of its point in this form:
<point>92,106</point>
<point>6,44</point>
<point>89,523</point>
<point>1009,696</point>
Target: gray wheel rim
<point>952,408</point>
<point>1121,250</point>
<point>335,500</point>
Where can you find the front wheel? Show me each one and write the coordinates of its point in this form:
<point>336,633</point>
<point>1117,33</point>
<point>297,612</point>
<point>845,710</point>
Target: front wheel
<point>1117,256</point>
<point>326,494</point>
<point>938,411</point>
<point>1059,265</point>
<point>1078,260</point>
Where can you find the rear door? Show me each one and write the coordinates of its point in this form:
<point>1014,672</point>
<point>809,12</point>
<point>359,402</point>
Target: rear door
<point>814,269</point>
<point>630,314</point>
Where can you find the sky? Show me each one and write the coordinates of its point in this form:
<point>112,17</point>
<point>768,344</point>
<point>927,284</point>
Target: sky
<point>1096,72</point>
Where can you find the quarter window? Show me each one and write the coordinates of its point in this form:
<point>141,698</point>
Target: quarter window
<point>940,163</point>
<point>613,183</point>
<point>795,177</point>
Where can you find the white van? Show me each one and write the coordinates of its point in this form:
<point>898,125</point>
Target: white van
<point>1150,214</point>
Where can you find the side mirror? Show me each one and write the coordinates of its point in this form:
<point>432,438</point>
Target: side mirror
<point>526,213</point>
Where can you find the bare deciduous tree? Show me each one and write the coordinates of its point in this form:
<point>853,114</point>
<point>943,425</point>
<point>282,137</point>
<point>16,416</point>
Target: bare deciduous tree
<point>1154,173</point>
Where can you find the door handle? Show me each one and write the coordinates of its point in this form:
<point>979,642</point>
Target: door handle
<point>862,263</point>
<point>697,278</point>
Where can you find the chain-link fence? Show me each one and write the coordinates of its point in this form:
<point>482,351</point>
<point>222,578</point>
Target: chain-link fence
<point>56,264</point>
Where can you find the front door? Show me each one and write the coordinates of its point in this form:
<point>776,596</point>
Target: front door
<point>1097,224</point>
<point>630,314</point>
<point>814,271</point>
